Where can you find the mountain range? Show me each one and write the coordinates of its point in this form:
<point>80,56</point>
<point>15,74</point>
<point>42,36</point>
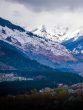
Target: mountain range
<point>40,48</point>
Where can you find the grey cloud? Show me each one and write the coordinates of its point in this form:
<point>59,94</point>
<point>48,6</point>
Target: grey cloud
<point>40,5</point>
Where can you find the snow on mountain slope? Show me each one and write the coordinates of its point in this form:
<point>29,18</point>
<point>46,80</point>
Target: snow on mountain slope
<point>75,45</point>
<point>12,58</point>
<point>73,38</point>
<point>40,49</point>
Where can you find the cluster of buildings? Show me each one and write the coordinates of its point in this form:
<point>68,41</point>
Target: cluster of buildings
<point>12,77</point>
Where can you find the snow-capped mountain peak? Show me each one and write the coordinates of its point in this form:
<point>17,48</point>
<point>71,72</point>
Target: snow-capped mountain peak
<point>53,33</point>
<point>41,31</point>
<point>58,34</point>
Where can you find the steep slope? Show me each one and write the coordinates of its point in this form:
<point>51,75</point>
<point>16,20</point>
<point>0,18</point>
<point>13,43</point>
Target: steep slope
<point>12,58</point>
<point>72,39</point>
<point>42,50</point>
<point>4,22</point>
<point>75,45</point>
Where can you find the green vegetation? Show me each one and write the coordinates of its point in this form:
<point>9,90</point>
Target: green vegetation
<point>42,101</point>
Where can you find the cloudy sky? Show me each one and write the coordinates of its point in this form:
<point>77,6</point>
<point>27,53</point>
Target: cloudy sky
<point>34,13</point>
